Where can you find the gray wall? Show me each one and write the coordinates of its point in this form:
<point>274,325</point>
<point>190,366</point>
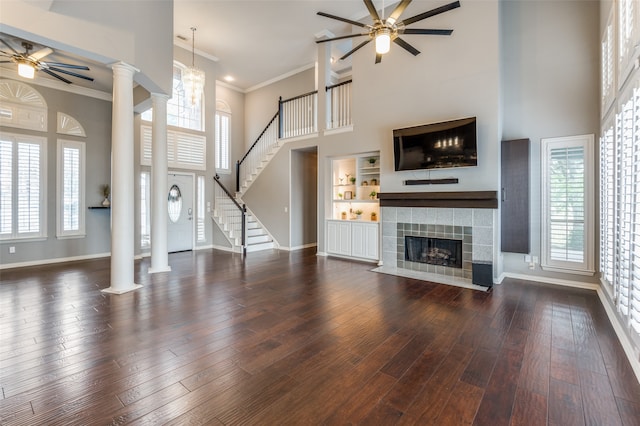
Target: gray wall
<point>550,85</point>
<point>304,196</point>
<point>95,116</point>
<point>261,104</point>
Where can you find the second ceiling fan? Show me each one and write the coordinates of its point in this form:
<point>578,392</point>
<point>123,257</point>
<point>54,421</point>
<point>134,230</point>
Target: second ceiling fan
<point>385,31</point>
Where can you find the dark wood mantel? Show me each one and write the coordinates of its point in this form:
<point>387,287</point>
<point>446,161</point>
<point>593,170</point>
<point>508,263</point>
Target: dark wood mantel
<point>470,199</point>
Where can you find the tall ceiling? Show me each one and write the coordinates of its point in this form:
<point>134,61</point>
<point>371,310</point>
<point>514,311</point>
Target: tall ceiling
<point>256,41</point>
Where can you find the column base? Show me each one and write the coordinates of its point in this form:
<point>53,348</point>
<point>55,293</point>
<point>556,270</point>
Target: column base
<point>112,290</point>
<point>159,269</point>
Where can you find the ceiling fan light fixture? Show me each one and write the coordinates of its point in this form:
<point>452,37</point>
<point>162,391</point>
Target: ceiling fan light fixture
<point>26,70</point>
<point>383,41</point>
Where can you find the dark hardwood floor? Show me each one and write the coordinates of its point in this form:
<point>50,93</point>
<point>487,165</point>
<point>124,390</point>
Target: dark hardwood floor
<point>294,339</point>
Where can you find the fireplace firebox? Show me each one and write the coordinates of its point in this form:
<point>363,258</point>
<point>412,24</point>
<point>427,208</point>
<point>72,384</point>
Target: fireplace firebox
<point>433,251</point>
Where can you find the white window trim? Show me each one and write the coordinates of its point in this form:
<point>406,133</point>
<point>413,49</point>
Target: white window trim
<point>146,212</point>
<point>201,231</point>
<point>608,65</point>
<point>547,264</point>
<point>42,235</point>
<point>223,170</point>
<point>81,231</point>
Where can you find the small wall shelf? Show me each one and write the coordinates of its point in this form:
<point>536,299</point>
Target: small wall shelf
<point>99,207</point>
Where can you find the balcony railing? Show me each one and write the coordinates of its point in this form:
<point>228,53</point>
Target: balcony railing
<point>298,115</point>
<point>339,105</point>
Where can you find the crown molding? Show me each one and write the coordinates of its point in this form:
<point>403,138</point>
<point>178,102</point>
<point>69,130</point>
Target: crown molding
<point>280,77</point>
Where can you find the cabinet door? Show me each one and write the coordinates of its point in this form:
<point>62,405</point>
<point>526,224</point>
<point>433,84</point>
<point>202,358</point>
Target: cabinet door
<point>344,238</point>
<point>364,240</point>
<point>515,196</point>
<point>339,238</point>
<point>371,242</point>
<point>332,237</point>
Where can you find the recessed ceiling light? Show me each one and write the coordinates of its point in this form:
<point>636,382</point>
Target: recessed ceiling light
<point>228,78</point>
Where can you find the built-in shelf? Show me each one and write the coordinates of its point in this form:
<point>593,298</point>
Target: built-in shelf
<point>99,207</point>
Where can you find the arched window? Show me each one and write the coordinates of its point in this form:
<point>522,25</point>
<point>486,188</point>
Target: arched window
<point>181,112</point>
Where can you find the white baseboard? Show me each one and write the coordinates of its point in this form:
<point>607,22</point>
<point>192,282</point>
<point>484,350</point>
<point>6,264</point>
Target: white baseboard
<point>223,248</point>
<point>548,280</point>
<point>322,253</point>
<point>304,246</point>
<point>623,337</point>
<point>56,260</point>
<point>210,246</point>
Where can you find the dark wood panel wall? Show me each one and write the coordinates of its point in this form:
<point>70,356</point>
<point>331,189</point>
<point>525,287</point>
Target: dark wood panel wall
<point>514,198</point>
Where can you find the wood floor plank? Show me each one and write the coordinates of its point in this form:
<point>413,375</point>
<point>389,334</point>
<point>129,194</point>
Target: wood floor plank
<point>295,338</point>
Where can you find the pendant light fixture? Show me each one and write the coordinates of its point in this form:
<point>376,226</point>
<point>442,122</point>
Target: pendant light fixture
<point>192,77</point>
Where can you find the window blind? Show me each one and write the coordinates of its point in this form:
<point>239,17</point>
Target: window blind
<point>71,189</point>
<point>222,141</point>
<point>184,150</point>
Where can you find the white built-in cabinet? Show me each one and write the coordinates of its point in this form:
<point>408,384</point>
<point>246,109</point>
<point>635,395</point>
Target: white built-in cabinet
<point>355,183</point>
<point>352,238</point>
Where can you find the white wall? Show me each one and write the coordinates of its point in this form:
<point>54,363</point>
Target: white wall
<point>550,88</point>
<point>135,32</point>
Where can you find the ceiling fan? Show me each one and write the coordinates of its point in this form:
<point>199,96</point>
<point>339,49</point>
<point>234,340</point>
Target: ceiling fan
<point>29,63</point>
<point>385,31</point>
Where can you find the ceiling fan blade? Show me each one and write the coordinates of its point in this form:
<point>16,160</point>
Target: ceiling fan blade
<point>36,56</point>
<point>397,11</point>
<point>354,49</point>
<point>2,52</point>
<point>71,73</point>
<point>341,37</point>
<point>372,11</point>
<point>55,75</point>
<point>432,12</point>
<point>5,62</point>
<point>424,31</point>
<point>348,21</point>
<point>409,48</point>
<point>378,58</point>
<point>59,64</point>
<point>12,49</point>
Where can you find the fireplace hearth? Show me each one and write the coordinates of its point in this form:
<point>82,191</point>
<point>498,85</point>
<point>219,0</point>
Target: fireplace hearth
<point>434,251</point>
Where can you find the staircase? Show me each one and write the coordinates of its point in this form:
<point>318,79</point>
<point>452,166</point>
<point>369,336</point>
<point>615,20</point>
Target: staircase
<point>257,237</point>
<point>230,214</point>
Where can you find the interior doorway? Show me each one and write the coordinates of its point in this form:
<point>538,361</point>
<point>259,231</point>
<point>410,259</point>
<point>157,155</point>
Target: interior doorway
<point>304,198</point>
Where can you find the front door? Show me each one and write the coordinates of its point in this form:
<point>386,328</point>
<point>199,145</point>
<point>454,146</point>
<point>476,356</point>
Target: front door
<point>180,205</point>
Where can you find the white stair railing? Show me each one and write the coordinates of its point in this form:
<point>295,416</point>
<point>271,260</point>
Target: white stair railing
<point>256,155</point>
<point>339,105</point>
<point>230,215</point>
<point>298,115</point>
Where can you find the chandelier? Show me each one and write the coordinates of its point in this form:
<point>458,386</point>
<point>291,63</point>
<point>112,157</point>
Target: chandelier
<point>192,77</point>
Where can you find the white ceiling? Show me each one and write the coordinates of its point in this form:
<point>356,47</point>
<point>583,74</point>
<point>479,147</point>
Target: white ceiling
<point>256,41</point>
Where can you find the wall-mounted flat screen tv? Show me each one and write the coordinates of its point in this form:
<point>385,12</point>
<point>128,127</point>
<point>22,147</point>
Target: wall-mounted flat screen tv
<point>436,146</point>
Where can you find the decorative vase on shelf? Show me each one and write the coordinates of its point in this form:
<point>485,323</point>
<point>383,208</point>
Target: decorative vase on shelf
<point>106,202</point>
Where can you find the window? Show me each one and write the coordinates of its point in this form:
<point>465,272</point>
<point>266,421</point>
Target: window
<point>624,279</point>
<point>200,210</point>
<point>145,209</point>
<point>567,200</point>
<point>184,150</point>
<point>607,73</point>
<point>628,36</point>
<point>22,186</point>
<point>223,137</point>
<point>71,183</point>
<point>181,112</point>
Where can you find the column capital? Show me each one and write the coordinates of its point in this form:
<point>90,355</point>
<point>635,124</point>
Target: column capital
<point>123,66</point>
<point>155,95</point>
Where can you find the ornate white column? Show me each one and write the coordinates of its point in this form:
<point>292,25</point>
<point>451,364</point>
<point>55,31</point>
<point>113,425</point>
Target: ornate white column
<point>122,182</point>
<point>159,169</point>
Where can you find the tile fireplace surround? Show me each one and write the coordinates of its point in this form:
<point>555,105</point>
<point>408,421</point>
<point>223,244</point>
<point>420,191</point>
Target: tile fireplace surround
<point>474,226</point>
